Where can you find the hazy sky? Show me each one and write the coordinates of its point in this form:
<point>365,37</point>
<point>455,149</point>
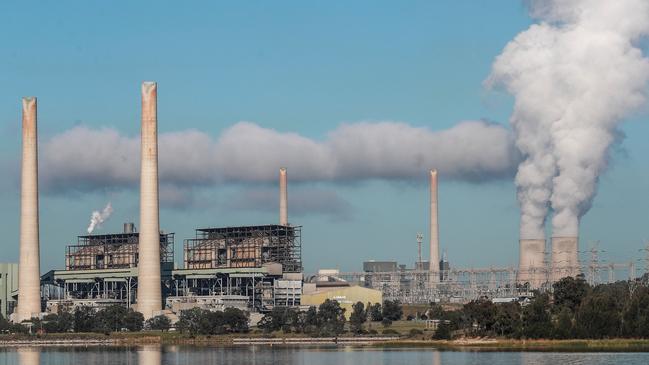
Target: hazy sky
<point>321,87</point>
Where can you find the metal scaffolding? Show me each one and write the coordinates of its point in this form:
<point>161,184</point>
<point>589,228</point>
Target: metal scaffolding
<point>245,247</point>
<point>464,285</point>
<point>112,251</point>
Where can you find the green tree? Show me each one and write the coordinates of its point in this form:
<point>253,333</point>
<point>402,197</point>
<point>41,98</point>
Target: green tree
<point>236,320</point>
<point>598,316</point>
<point>507,321</point>
<point>563,328</point>
<point>158,323</point>
<point>311,321</point>
<point>392,310</point>
<point>636,314</point>
<point>536,318</point>
<point>569,292</point>
<point>375,312</point>
<point>443,331</point>
<point>331,318</point>
<point>192,321</point>
<point>84,319</point>
<point>110,319</point>
<point>133,321</point>
<point>358,317</point>
<point>480,316</point>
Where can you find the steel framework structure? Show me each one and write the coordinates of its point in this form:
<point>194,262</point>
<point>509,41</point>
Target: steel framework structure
<point>245,247</point>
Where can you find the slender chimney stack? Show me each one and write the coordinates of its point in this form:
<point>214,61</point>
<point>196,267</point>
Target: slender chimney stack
<point>434,229</point>
<point>531,264</point>
<point>29,288</point>
<point>149,296</point>
<point>565,257</point>
<point>283,197</point>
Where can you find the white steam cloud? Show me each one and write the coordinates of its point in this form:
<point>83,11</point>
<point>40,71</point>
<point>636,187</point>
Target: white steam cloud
<point>97,218</point>
<point>103,159</point>
<point>575,76</point>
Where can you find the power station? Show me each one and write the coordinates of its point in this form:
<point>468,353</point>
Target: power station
<point>254,267</point>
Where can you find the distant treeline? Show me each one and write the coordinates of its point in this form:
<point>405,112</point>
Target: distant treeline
<point>572,310</point>
<point>117,318</point>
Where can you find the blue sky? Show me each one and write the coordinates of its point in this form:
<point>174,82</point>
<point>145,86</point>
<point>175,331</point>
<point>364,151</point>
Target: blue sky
<point>302,67</point>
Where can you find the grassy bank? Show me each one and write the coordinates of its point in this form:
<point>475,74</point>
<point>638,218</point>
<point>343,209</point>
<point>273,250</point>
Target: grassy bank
<point>474,344</point>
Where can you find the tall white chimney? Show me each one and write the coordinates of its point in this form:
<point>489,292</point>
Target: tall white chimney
<point>434,229</point>
<point>149,296</point>
<point>29,288</point>
<point>283,197</point>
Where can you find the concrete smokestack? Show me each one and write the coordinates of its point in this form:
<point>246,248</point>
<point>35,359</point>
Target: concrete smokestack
<point>29,288</point>
<point>283,197</point>
<point>434,229</point>
<point>531,262</point>
<point>149,297</point>
<point>565,257</point>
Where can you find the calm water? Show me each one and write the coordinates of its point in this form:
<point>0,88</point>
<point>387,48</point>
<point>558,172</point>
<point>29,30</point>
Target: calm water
<point>257,355</point>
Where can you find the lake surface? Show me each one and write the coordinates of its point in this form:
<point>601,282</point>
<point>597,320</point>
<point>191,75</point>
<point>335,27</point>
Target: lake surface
<point>258,355</point>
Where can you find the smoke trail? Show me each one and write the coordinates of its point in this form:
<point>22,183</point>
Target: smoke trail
<point>575,75</point>
<point>97,218</point>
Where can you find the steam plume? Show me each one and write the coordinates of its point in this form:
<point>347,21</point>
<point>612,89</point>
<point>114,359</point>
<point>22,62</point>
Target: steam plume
<point>98,218</point>
<point>575,76</point>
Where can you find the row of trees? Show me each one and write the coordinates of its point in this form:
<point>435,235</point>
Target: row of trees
<point>329,318</point>
<point>574,309</point>
<point>198,321</point>
<point>86,319</point>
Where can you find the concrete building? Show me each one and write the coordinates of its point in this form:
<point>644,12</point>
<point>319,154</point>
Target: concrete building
<point>346,296</point>
<point>380,266</point>
<point>8,288</point>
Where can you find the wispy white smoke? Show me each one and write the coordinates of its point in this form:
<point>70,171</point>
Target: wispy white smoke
<point>575,76</point>
<point>97,218</point>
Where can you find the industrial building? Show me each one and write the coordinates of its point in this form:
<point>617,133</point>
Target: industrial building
<point>102,269</point>
<point>8,288</point>
<point>259,264</point>
<point>345,296</point>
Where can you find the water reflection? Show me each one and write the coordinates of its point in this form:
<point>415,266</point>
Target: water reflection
<point>282,355</point>
<point>29,356</point>
<point>149,355</point>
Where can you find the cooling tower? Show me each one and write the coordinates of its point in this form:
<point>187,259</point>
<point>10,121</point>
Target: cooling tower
<point>149,296</point>
<point>434,229</point>
<point>283,197</point>
<point>532,262</point>
<point>29,290</point>
<point>565,257</point>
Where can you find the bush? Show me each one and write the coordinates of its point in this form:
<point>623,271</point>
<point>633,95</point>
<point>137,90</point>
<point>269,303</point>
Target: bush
<point>390,331</point>
<point>415,332</point>
<point>158,323</point>
<point>443,332</point>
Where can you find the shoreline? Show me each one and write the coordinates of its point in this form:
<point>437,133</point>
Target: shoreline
<point>465,344</point>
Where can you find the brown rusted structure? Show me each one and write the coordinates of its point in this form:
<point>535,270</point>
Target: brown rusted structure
<point>112,251</point>
<point>245,247</point>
